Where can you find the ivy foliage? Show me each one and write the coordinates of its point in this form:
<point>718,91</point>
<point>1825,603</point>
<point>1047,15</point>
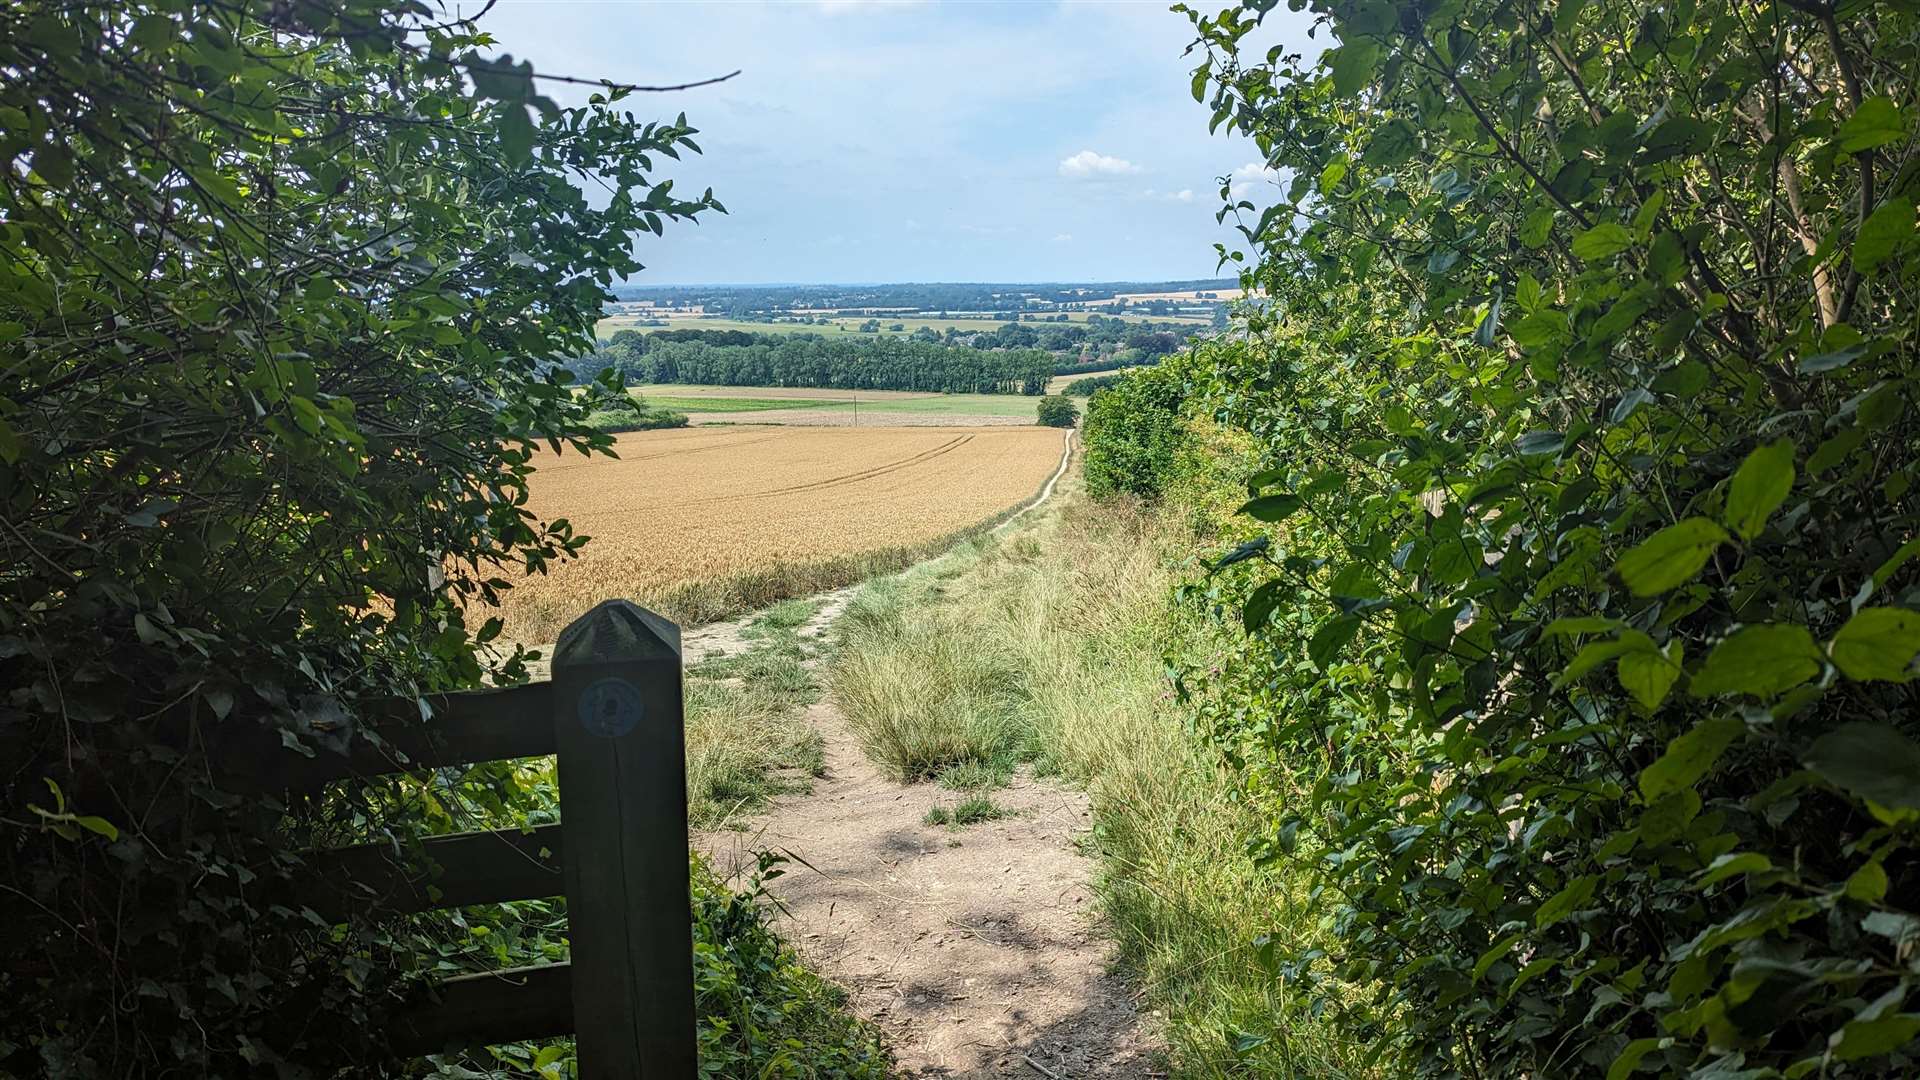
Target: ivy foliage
<point>283,289</point>
<point>1579,583</point>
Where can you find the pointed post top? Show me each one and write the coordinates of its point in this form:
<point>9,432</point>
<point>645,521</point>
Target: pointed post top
<point>616,631</point>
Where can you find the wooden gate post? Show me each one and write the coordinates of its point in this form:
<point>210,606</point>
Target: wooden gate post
<point>623,808</point>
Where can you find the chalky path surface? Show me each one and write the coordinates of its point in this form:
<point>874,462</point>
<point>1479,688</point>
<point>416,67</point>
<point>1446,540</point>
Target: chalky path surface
<point>976,949</point>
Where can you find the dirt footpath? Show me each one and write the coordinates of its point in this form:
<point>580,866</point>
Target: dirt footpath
<point>976,949</point>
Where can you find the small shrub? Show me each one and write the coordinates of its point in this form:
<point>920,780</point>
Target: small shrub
<point>969,811</point>
<point>1055,410</point>
<point>638,418</point>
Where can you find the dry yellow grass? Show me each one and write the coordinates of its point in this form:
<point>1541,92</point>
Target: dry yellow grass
<point>704,523</point>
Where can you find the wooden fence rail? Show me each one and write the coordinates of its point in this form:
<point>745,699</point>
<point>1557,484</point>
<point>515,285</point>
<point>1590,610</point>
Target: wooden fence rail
<point>613,715</point>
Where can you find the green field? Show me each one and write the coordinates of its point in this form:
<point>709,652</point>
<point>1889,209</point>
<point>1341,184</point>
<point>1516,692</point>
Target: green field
<point>726,405</point>
<point>959,405</point>
<point>833,402</point>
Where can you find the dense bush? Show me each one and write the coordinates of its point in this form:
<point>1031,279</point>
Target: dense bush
<point>1583,615</point>
<point>1132,431</point>
<point>1055,410</point>
<point>282,297</point>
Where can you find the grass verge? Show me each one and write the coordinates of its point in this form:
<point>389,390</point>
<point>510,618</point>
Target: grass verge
<point>1051,645</point>
<point>747,737</point>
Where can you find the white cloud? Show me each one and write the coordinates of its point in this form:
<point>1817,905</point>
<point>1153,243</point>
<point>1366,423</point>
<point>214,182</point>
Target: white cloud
<point>1249,177</point>
<point>1183,195</point>
<point>1063,238</point>
<point>1087,163</point>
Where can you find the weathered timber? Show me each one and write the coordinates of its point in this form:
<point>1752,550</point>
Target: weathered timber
<point>478,725</point>
<point>440,872</point>
<point>623,799</point>
<point>486,1009</point>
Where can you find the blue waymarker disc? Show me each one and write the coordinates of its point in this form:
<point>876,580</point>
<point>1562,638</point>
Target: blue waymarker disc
<point>610,708</point>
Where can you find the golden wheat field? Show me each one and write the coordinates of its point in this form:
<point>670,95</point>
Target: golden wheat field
<point>703,523</point>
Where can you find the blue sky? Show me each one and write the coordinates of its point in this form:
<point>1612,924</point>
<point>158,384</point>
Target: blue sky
<point>876,142</point>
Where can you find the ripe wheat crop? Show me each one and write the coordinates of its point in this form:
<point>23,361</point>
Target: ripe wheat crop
<point>700,524</point>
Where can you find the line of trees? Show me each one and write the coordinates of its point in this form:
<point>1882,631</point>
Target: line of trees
<point>867,363</point>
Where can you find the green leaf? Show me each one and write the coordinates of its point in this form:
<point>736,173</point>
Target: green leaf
<point>1566,901</point>
<point>1649,675</point>
<point>1834,450</point>
<point>1883,233</point>
<point>1877,122</point>
<point>516,133</point>
<point>1831,361</point>
<point>1630,1058</point>
<point>1597,653</point>
<point>1762,660</point>
<point>1628,402</point>
<point>1671,557</point>
<point>1492,955</point>
<point>1331,637</point>
<point>53,164</point>
<point>1352,65</point>
<point>1871,761</point>
<point>98,825</point>
<point>1877,643</point>
<point>1872,1038</point>
<point>1537,443</point>
<point>1537,227</point>
<point>1277,507</point>
<point>1689,756</point>
<point>1759,487</point>
<point>1486,334</point>
<point>1726,866</point>
<point>1868,884</point>
<point>1259,606</point>
<point>1899,558</point>
<point>1669,816</point>
<point>1602,241</point>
